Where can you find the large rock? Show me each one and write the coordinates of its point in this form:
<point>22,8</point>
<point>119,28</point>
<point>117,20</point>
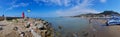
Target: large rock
<point>1,28</point>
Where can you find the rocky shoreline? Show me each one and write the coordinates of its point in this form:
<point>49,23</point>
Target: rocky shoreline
<point>27,27</point>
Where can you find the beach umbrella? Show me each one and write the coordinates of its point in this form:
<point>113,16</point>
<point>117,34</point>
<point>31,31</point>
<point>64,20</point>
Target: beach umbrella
<point>28,11</point>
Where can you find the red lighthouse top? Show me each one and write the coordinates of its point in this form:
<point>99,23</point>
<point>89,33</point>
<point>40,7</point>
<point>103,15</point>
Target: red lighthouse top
<point>23,15</point>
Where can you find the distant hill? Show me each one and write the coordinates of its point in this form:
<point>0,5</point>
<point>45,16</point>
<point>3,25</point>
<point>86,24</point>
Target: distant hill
<point>109,13</point>
<point>102,14</point>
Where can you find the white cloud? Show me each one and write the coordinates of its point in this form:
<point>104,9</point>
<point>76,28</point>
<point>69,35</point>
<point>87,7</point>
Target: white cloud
<point>18,5</point>
<point>14,5</point>
<point>103,1</point>
<point>48,1</point>
<point>81,8</point>
<point>78,6</point>
<point>58,2</point>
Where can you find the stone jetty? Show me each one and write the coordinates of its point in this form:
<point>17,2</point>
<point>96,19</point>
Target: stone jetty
<point>27,27</point>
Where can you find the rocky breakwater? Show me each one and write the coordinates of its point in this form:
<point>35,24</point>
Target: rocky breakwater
<point>26,28</point>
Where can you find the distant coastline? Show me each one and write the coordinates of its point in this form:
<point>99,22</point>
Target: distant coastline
<point>102,14</point>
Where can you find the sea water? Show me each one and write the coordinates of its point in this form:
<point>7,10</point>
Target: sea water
<point>69,25</point>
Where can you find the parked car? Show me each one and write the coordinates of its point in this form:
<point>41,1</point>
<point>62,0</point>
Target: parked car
<point>113,21</point>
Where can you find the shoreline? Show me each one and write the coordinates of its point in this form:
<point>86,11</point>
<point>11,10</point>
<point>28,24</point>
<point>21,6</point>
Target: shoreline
<point>96,28</point>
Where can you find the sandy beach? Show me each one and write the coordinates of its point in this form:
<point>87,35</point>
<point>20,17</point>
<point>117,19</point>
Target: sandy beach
<point>98,28</point>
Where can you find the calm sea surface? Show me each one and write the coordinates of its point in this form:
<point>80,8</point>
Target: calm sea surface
<point>68,24</point>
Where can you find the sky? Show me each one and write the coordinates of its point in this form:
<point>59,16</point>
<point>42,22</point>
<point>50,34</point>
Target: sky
<point>56,8</point>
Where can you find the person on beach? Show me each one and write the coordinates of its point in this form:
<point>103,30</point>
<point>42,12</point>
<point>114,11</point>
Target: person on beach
<point>3,15</point>
<point>23,15</point>
<point>90,20</point>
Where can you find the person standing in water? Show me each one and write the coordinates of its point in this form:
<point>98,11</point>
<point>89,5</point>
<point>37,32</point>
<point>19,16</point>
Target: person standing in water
<point>90,20</point>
